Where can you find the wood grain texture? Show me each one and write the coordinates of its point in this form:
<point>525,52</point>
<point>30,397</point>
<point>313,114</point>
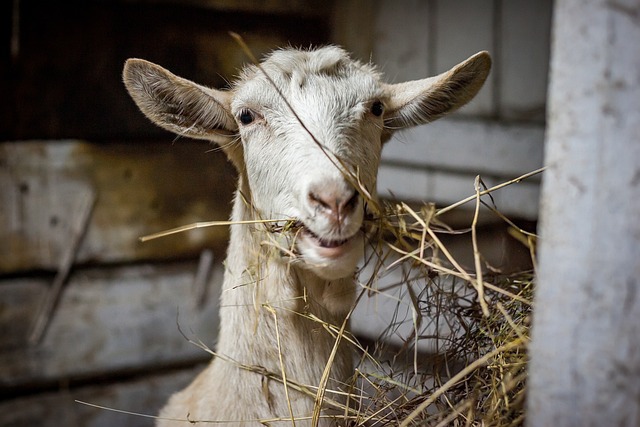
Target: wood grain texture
<point>145,395</point>
<point>140,188</point>
<point>108,320</point>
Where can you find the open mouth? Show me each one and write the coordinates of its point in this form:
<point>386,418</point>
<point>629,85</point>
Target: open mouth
<point>324,243</point>
<point>321,242</point>
<point>330,258</point>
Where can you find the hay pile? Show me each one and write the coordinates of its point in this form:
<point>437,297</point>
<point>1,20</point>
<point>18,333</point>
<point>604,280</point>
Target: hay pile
<point>463,361</point>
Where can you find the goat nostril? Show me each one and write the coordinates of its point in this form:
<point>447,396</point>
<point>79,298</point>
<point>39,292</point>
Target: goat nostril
<point>317,200</point>
<point>333,205</point>
<point>352,202</point>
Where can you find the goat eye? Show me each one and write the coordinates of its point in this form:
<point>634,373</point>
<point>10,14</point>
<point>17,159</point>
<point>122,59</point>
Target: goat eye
<point>377,108</point>
<point>246,117</point>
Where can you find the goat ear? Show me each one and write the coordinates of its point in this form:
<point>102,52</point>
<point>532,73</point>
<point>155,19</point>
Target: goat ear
<point>179,105</point>
<point>422,101</point>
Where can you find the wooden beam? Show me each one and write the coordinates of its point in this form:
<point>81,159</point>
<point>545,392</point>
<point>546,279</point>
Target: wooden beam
<point>585,353</point>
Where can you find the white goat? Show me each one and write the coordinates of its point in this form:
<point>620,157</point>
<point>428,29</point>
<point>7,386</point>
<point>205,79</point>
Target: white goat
<point>305,133</point>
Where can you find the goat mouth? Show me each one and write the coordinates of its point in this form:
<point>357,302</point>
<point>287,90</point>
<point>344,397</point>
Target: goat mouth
<point>328,247</point>
<point>322,242</point>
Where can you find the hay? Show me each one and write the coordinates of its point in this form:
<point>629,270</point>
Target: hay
<point>475,325</point>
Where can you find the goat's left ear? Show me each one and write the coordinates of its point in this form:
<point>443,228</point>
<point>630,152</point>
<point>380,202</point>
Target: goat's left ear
<point>422,101</point>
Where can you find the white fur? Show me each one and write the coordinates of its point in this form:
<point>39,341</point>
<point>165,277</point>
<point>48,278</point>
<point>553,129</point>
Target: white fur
<point>302,168</point>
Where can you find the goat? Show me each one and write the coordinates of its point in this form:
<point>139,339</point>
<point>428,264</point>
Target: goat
<point>305,131</point>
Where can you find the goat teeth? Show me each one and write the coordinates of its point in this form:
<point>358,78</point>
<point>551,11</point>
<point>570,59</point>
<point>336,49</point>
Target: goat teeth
<point>324,243</point>
<point>331,243</point>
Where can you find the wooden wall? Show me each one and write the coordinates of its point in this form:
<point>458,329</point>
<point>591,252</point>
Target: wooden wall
<point>500,134</point>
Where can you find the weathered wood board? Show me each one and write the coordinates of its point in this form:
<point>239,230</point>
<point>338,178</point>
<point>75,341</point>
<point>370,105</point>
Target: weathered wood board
<point>145,395</point>
<point>140,188</point>
<point>438,162</point>
<point>428,37</point>
<point>461,28</point>
<point>108,320</point>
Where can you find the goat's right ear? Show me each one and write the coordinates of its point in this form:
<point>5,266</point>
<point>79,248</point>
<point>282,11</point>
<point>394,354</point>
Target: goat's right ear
<point>179,105</point>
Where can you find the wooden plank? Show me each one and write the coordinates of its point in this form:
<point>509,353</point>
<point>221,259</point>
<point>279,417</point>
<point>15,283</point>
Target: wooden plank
<point>54,409</point>
<point>140,188</point>
<point>107,320</point>
<point>464,27</point>
<point>585,348</point>
<point>402,55</point>
<point>525,42</point>
<point>353,27</point>
<point>438,163</point>
<point>444,188</point>
<point>469,146</point>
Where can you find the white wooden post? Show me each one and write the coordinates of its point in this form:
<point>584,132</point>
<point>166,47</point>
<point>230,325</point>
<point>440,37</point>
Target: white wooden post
<point>585,354</point>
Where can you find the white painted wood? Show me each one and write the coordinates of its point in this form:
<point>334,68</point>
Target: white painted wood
<point>402,55</point>
<point>523,59</point>
<point>107,320</point>
<point>443,188</point>
<point>463,27</point>
<point>417,38</point>
<point>471,146</point>
<point>439,161</point>
<point>353,27</point>
<point>585,354</point>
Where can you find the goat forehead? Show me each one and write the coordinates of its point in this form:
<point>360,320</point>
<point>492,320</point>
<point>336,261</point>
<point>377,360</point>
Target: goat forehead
<point>314,59</point>
<point>325,76</point>
<point>330,60</point>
